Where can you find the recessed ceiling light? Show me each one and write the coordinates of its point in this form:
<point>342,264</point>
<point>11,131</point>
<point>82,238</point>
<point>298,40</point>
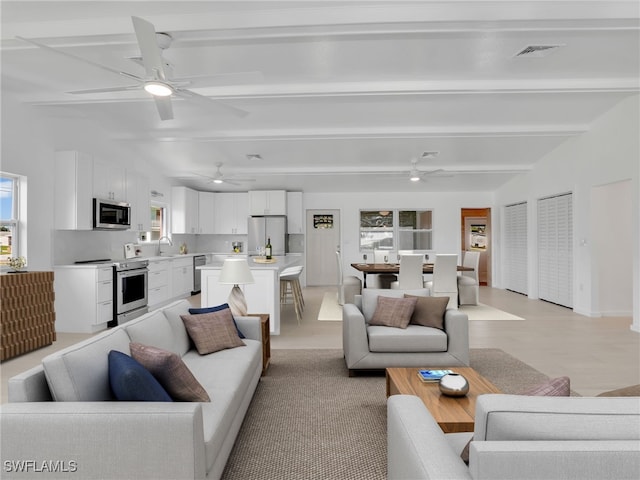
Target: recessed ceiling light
<point>158,89</point>
<point>253,156</point>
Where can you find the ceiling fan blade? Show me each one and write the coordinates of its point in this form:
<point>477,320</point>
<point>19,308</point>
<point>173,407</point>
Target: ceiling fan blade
<point>230,182</point>
<point>106,90</point>
<point>81,59</point>
<point>220,79</point>
<point>165,108</point>
<point>151,54</point>
<point>190,95</point>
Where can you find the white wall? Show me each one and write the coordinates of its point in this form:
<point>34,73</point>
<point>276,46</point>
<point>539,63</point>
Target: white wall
<point>29,142</point>
<point>609,152</point>
<point>446,215</point>
<point>612,249</point>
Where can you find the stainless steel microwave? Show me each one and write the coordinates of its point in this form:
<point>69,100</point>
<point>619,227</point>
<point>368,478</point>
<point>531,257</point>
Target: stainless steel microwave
<point>110,215</point>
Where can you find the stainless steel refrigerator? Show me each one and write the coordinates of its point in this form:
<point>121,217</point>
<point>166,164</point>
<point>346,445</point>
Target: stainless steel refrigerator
<point>270,227</point>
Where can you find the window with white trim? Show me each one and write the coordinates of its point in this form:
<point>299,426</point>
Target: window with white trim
<point>9,217</point>
<point>396,230</point>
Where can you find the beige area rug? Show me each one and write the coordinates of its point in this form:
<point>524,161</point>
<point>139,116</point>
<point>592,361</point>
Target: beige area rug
<point>485,312</point>
<point>309,420</point>
<point>330,310</point>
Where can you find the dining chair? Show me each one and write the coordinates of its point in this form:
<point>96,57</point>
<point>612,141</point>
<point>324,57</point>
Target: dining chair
<point>382,280</point>
<point>349,286</point>
<point>468,282</point>
<point>445,275</point>
<point>410,274</point>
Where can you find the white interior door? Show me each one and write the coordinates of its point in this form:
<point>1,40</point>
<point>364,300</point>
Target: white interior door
<point>555,249</point>
<point>515,248</point>
<point>323,237</point>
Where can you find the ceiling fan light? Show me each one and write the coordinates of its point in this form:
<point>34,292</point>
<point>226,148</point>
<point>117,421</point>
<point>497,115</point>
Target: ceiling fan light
<point>158,89</point>
<point>217,180</point>
<point>414,176</point>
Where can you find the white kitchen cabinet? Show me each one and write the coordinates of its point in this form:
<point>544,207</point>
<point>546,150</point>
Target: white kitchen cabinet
<point>231,213</point>
<point>268,202</point>
<point>184,210</point>
<point>73,191</point>
<point>84,298</point>
<point>140,199</point>
<point>158,283</point>
<point>206,212</point>
<point>181,276</point>
<point>295,213</point>
<point>109,181</point>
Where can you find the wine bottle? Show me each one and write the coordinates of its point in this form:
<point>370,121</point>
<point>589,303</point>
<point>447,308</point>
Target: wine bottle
<point>267,249</point>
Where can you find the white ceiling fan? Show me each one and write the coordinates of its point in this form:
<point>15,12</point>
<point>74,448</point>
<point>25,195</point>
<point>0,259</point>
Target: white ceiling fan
<point>416,175</point>
<point>157,80</point>
<point>219,178</point>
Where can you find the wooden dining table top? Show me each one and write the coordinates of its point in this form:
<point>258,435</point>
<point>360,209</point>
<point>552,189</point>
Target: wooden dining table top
<point>395,267</point>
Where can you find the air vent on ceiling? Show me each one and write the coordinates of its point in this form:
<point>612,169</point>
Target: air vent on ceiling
<point>537,51</point>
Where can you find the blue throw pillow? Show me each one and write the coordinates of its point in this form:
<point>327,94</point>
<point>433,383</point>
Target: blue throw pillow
<point>197,311</point>
<point>131,382</point>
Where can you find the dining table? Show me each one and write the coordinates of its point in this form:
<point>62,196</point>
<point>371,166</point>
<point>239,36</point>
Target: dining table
<point>366,268</point>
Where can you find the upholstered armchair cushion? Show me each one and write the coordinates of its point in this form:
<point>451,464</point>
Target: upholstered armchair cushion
<point>393,312</point>
<point>414,338</point>
<point>370,298</point>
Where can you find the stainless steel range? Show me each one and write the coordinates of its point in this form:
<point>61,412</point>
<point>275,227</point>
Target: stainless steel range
<point>130,290</point>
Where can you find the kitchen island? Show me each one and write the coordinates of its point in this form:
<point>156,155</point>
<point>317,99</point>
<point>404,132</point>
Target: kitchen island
<point>263,296</point>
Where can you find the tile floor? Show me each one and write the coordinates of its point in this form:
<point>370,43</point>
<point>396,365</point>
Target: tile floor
<point>598,354</point>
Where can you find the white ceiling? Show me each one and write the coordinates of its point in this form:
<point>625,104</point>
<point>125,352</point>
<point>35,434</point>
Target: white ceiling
<point>349,92</point>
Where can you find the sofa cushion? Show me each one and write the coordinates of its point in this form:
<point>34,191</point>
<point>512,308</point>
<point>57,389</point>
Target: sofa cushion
<point>181,337</point>
<point>153,329</point>
<point>517,417</point>
<point>131,382</point>
<point>429,311</point>
<point>80,373</point>
<point>554,387</point>
<point>169,369</point>
<point>393,312</point>
<point>413,339</point>
<point>212,332</point>
<point>370,298</point>
<point>217,308</point>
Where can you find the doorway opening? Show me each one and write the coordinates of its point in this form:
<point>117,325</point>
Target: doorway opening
<point>475,231</point>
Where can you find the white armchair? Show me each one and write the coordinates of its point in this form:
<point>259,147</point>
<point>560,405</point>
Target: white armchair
<point>372,347</point>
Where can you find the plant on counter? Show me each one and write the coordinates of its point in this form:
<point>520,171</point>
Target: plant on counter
<point>17,263</point>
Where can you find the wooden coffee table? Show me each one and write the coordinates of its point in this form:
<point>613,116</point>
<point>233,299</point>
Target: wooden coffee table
<point>453,414</point>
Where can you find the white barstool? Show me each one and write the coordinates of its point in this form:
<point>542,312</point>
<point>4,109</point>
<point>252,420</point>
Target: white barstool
<point>290,286</point>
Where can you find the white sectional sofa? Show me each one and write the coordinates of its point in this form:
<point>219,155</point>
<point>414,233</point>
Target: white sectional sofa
<point>518,437</point>
<point>62,415</point>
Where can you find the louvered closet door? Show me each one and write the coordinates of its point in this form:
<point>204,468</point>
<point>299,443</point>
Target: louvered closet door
<point>516,248</point>
<point>555,249</point>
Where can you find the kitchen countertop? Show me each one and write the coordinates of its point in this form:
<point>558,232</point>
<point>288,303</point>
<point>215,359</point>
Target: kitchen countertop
<point>293,256</point>
<point>280,263</point>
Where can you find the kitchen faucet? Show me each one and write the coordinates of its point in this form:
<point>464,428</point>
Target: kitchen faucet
<point>160,240</point>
